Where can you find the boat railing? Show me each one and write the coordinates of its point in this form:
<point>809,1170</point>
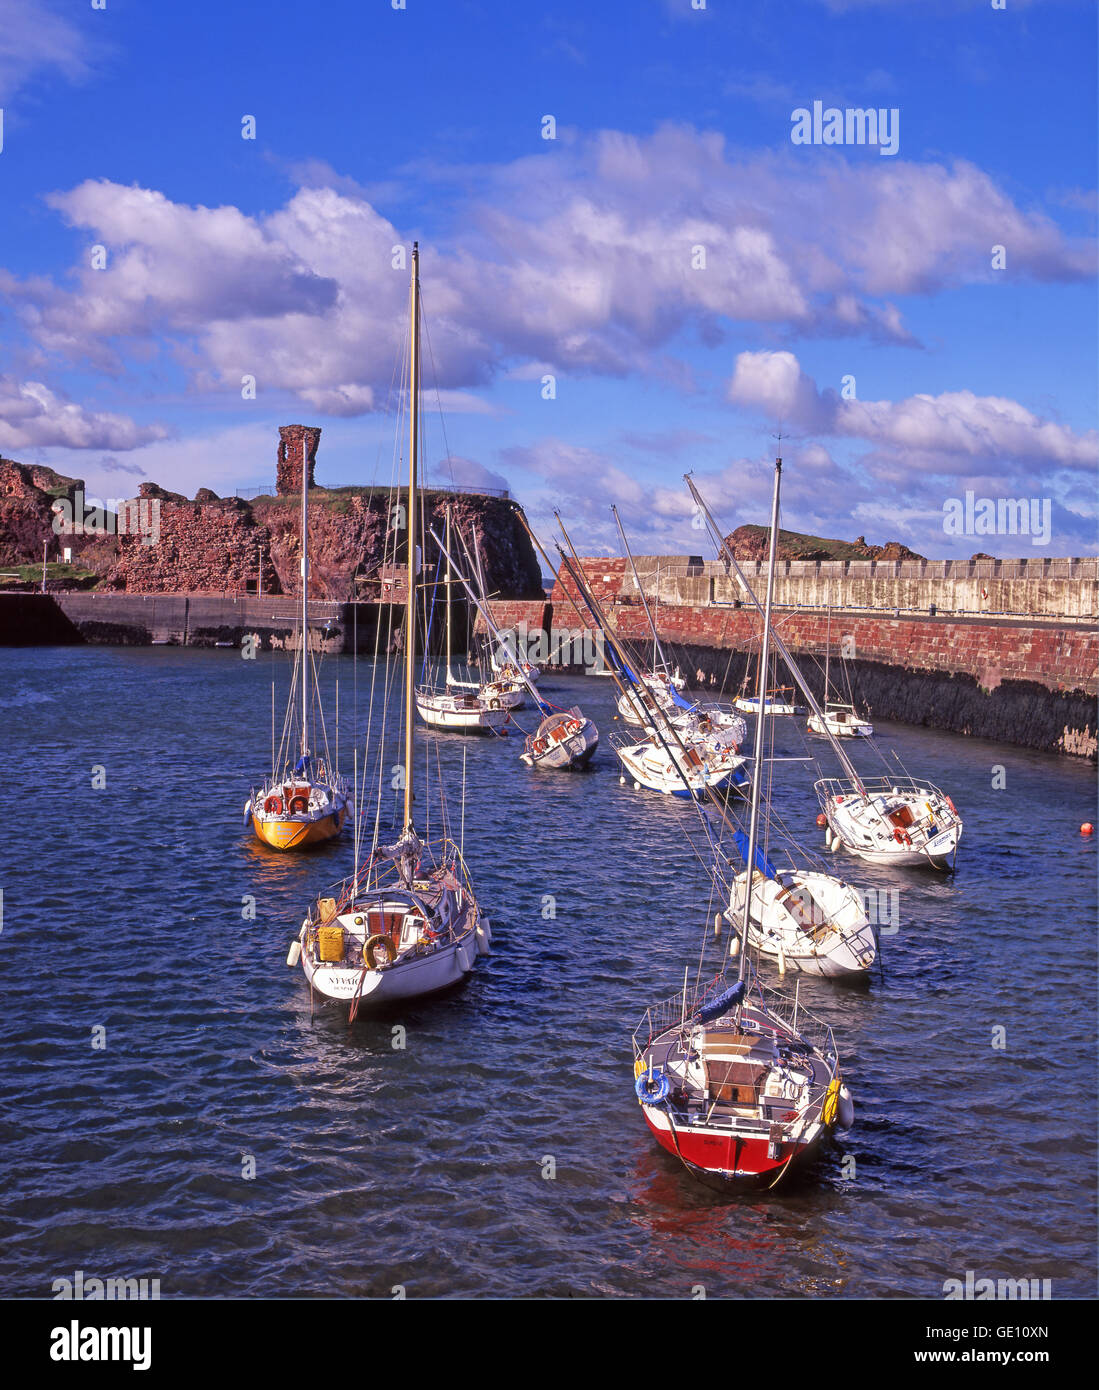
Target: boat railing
<point>876,786</point>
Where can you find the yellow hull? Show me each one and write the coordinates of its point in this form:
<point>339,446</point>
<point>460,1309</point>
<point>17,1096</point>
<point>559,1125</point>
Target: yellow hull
<point>296,834</point>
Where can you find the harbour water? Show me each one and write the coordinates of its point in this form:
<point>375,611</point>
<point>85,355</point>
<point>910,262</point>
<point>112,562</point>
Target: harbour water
<point>171,1108</point>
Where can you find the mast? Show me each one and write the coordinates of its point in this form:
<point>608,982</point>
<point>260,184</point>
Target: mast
<point>410,597</point>
<point>304,599</point>
<point>757,779</point>
<point>827,648</point>
<point>780,645</point>
<point>658,650</point>
<point>449,580</point>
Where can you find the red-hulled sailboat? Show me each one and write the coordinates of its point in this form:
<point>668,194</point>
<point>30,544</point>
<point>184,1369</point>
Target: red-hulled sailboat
<point>736,1080</point>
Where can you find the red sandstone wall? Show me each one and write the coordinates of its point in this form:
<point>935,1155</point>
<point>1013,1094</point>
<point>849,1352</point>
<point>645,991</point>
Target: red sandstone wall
<point>1060,658</point>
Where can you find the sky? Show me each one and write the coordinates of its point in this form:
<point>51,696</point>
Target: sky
<point>631,269</point>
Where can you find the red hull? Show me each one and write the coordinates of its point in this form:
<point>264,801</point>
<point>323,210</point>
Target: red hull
<point>723,1155</point>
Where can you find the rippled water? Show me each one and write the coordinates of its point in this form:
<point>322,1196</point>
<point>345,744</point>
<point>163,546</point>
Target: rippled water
<point>423,1167</point>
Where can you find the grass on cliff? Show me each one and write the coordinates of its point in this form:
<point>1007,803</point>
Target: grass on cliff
<point>56,572</point>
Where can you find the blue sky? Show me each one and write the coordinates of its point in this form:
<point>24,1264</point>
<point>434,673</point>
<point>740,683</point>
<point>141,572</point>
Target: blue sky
<point>572,257</point>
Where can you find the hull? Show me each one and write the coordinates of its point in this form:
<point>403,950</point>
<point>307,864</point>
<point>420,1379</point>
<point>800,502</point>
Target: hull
<point>839,727</point>
<point>727,1157</point>
<point>458,715</point>
<point>806,921</point>
<point>565,740</point>
<point>375,989</point>
<point>299,832</point>
<point>905,824</point>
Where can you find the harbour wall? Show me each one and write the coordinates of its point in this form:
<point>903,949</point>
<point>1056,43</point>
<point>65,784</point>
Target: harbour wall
<point>1028,677</point>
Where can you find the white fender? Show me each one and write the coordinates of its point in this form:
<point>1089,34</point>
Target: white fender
<point>294,954</point>
<point>484,937</point>
<point>846,1108</point>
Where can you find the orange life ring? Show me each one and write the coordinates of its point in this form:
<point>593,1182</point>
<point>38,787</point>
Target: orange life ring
<point>370,945</point>
<point>953,808</point>
<point>299,806</point>
<point>902,837</point>
<point>273,805</point>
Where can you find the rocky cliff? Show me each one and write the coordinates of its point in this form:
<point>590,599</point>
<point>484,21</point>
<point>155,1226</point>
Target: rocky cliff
<point>751,543</point>
<point>226,545</point>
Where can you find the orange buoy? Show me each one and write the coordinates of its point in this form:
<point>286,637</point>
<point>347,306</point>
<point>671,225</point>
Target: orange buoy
<point>822,819</point>
<point>1087,828</point>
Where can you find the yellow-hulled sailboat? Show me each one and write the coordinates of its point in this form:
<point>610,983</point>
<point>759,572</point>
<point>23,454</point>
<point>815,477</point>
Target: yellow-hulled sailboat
<point>305,801</point>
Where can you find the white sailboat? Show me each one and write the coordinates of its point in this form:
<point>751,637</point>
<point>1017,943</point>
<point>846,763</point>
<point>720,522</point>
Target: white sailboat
<point>407,922</point>
<point>458,706</point>
<point>837,717</point>
<point>801,918</point>
<point>887,820</point>
<point>565,738</point>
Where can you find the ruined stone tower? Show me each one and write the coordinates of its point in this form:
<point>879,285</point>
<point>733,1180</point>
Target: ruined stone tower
<point>294,440</point>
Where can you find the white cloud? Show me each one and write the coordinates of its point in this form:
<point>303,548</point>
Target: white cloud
<point>958,424</point>
<point>32,416</point>
<point>35,39</point>
<point>587,257</point>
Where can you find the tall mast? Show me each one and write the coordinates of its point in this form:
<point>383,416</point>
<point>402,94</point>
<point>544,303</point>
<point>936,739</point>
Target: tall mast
<point>304,599</point>
<point>757,779</point>
<point>658,650</point>
<point>780,646</point>
<point>827,648</point>
<point>449,580</point>
<point>410,598</point>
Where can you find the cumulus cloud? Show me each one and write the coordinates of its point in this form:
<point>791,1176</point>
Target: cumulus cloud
<point>33,416</point>
<point>595,257</point>
<point>959,424</point>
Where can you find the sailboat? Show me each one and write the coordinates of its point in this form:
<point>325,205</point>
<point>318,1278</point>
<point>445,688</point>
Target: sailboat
<point>668,759</point>
<point>897,820</point>
<point>407,922</point>
<point>837,717</point>
<point>565,738</point>
<point>802,918</point>
<point>777,701</point>
<point>305,801</point>
<point>464,707</point>
<point>735,1083</point>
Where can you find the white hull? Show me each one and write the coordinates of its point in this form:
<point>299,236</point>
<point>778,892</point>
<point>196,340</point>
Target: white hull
<point>904,824</point>
<point>562,741</point>
<point>391,944</point>
<point>806,921</point>
<point>647,764</point>
<point>841,724</point>
<point>460,713</point>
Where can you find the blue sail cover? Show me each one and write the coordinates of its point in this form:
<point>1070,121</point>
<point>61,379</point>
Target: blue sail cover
<point>722,1004</point>
<point>763,864</point>
<point>678,699</point>
<point>301,767</point>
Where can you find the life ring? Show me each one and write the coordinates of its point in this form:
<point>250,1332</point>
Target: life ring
<point>651,1088</point>
<point>902,837</point>
<point>953,808</point>
<point>273,805</point>
<point>369,945</point>
<point>299,805</point>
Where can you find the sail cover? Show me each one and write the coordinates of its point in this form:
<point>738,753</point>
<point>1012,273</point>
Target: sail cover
<point>722,1004</point>
<point>763,864</point>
